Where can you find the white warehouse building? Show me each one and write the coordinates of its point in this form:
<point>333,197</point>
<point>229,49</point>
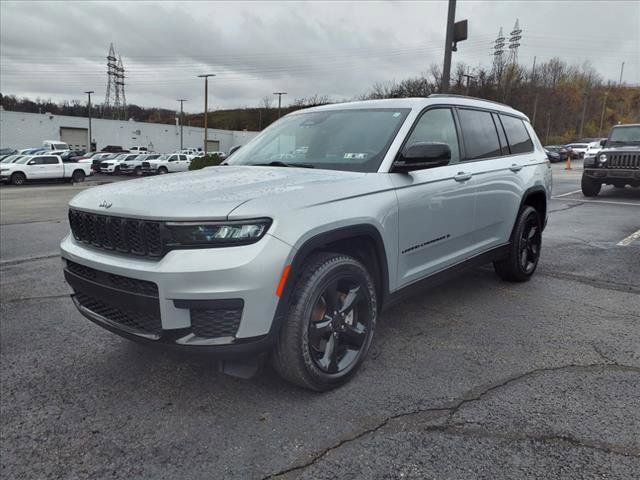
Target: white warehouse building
<point>23,130</point>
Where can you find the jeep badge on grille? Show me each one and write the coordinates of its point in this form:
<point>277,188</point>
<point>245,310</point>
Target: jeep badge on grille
<point>105,204</point>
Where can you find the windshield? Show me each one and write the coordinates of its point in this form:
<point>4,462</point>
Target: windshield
<point>24,159</point>
<point>163,157</point>
<point>11,158</point>
<point>625,134</point>
<point>351,139</point>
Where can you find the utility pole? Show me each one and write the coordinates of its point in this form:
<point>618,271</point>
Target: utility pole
<point>206,113</point>
<point>604,104</point>
<point>448,46</point>
<point>535,100</point>
<point>584,112</point>
<point>89,92</point>
<point>621,70</point>
<point>279,100</point>
<point>546,137</point>
<point>468,77</point>
<point>181,100</point>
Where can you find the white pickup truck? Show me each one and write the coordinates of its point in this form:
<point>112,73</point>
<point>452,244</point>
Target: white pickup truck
<point>43,167</point>
<point>175,162</point>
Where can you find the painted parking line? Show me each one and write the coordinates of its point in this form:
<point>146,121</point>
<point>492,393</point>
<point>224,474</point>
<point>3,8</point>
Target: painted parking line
<point>631,238</point>
<point>584,200</point>
<point>566,194</point>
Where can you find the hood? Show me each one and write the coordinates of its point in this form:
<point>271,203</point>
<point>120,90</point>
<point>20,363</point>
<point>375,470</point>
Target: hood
<point>212,193</point>
<point>621,148</point>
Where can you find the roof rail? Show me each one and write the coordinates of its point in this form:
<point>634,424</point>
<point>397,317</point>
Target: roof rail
<point>437,95</point>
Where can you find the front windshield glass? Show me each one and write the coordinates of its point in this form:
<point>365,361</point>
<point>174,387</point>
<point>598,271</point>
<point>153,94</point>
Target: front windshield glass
<point>163,157</point>
<point>24,159</point>
<point>11,158</point>
<point>625,134</point>
<point>350,139</point>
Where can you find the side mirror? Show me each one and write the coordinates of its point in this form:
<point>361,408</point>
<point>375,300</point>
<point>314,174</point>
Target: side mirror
<point>603,143</point>
<point>422,155</point>
<point>31,162</point>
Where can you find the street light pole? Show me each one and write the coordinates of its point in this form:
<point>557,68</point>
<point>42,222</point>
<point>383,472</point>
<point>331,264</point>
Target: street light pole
<point>89,92</point>
<point>279,100</point>
<point>181,100</point>
<point>448,46</point>
<point>206,113</point>
<point>604,104</point>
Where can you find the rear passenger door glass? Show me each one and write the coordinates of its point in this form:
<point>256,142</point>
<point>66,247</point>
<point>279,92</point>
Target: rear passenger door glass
<point>479,133</point>
<point>437,125</point>
<point>517,135</point>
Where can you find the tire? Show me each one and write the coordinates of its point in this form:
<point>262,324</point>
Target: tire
<point>137,171</point>
<point>525,239</point>
<point>303,349</point>
<point>590,188</point>
<point>116,170</point>
<point>18,178</point>
<point>163,170</point>
<point>78,176</point>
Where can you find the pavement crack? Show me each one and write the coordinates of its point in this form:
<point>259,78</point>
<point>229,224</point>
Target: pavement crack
<point>601,354</point>
<point>604,285</point>
<point>18,261</point>
<point>473,395</point>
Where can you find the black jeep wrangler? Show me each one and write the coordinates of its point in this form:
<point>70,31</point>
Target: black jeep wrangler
<point>617,164</point>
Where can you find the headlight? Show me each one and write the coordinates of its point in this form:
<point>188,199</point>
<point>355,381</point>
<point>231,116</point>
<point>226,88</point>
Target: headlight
<point>212,234</point>
<point>602,158</point>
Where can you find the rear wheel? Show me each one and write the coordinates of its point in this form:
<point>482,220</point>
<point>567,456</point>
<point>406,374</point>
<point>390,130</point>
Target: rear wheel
<point>18,178</point>
<point>137,171</point>
<point>78,176</point>
<point>163,170</point>
<point>329,326</point>
<point>116,170</point>
<point>590,187</point>
<point>524,249</point>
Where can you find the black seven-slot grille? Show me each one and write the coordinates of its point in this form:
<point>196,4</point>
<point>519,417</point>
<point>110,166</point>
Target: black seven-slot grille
<point>126,235</point>
<point>133,285</point>
<point>623,160</point>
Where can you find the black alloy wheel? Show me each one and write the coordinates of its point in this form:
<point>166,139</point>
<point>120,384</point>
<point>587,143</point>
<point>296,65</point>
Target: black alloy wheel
<point>530,243</point>
<point>18,178</point>
<point>338,326</point>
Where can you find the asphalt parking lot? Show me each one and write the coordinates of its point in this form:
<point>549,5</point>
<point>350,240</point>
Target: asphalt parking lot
<point>476,378</point>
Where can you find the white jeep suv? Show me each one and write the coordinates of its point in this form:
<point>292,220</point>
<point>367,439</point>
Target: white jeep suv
<point>295,258</point>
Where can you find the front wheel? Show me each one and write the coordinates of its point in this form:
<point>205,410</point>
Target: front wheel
<point>329,326</point>
<point>163,170</point>
<point>590,187</point>
<point>18,178</point>
<point>524,249</point>
<point>137,171</point>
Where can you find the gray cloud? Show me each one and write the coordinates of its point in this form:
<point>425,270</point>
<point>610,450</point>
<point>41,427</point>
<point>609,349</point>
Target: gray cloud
<point>339,49</point>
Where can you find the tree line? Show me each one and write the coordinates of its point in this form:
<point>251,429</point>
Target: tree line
<point>564,102</point>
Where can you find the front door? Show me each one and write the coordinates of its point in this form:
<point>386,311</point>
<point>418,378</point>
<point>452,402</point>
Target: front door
<point>436,205</point>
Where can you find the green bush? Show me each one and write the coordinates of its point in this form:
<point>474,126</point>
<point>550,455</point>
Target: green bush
<point>201,162</point>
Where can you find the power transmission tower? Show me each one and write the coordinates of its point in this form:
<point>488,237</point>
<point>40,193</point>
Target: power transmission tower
<point>122,107</point>
<point>498,55</point>
<point>514,43</point>
<point>112,67</point>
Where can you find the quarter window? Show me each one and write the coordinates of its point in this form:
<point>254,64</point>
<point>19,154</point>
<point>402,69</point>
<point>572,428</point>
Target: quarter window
<point>517,135</point>
<point>480,135</point>
<point>437,125</point>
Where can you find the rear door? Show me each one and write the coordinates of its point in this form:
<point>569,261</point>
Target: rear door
<point>500,153</point>
<point>436,205</point>
<point>183,163</point>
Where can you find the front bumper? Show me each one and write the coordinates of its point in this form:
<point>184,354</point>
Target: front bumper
<point>613,174</point>
<point>188,282</point>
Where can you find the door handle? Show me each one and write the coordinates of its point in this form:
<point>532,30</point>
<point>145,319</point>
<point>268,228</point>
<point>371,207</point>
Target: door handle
<point>462,176</point>
<point>515,168</point>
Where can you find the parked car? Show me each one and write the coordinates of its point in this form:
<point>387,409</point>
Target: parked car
<point>114,149</point>
<point>51,152</point>
<point>30,151</point>
<point>55,145</point>
<point>617,163</point>
<point>577,149</point>
<point>138,149</point>
<point>8,151</point>
<point>557,153</point>
<point>593,148</point>
<point>134,166</point>
<point>298,259</point>
<point>97,159</point>
<point>11,158</point>
<point>113,165</point>
<point>175,162</point>
<point>43,167</point>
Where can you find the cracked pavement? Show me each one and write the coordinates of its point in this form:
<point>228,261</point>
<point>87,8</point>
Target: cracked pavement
<point>476,378</point>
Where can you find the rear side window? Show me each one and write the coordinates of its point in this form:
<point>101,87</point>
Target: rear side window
<point>49,160</point>
<point>480,135</point>
<point>517,135</point>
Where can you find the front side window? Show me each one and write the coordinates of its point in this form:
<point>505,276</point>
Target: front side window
<point>350,139</point>
<point>437,126</point>
<point>49,160</point>
<point>480,135</point>
<point>517,135</point>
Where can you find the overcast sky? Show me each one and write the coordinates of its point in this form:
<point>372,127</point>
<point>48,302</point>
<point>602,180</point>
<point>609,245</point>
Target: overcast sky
<point>57,49</point>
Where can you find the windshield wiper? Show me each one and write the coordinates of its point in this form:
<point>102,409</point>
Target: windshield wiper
<point>278,163</point>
